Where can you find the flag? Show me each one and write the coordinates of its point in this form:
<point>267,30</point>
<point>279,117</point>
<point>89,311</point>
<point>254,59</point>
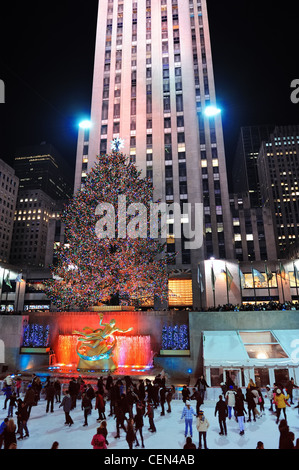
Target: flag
<point>242,279</point>
<point>213,278</point>
<point>259,275</point>
<point>7,281</point>
<point>269,273</point>
<point>281,271</point>
<point>296,273</point>
<point>19,278</point>
<point>229,278</point>
<point>199,279</point>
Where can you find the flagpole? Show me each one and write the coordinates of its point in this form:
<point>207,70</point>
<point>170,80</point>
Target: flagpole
<point>18,284</point>
<point>200,297</point>
<point>16,297</point>
<point>253,283</point>
<point>266,266</point>
<point>213,286</point>
<point>295,276</point>
<point>7,292</point>
<point>200,284</point>
<point>1,288</point>
<point>241,290</point>
<point>281,282</point>
<point>227,290</point>
<point>282,289</point>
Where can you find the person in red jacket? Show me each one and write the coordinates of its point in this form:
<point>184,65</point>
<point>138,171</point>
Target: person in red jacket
<point>98,440</point>
<point>100,406</point>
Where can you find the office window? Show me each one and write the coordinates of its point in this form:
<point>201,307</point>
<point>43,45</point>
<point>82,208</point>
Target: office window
<point>179,103</point>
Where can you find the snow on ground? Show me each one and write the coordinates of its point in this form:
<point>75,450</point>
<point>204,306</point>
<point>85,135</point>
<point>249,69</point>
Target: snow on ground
<point>45,428</point>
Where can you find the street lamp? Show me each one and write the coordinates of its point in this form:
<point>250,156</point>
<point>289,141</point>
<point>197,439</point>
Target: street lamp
<point>86,124</point>
<point>211,111</point>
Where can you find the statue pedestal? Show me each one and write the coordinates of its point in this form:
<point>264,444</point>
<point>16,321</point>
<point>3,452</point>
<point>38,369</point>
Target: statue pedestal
<point>103,364</point>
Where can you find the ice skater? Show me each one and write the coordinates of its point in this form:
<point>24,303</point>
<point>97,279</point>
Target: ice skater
<point>24,416</point>
<point>50,394</point>
<point>188,413</point>
<point>201,385</point>
<point>240,410</point>
<point>130,434</point>
<point>86,406</point>
<point>139,422</point>
<point>221,409</point>
<point>150,414</point>
<point>67,407</point>
<point>270,396</point>
<point>198,397</point>
<point>202,426</point>
<point>230,398</point>
<point>100,405</point>
<point>12,404</point>
<point>120,420</point>
<point>280,400</point>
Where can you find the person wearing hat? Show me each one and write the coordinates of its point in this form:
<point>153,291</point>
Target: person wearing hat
<point>188,413</point>
<point>280,401</point>
<point>202,425</point>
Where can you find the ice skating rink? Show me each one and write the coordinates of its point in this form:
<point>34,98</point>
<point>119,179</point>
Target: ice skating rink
<point>45,428</point>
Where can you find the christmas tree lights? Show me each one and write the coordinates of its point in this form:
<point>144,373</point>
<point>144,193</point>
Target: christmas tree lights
<point>119,270</point>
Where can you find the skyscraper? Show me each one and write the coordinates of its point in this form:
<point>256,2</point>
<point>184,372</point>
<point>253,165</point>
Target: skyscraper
<point>278,167</point>
<point>153,83</point>
<point>9,184</point>
<point>42,167</point>
<point>245,172</point>
<point>45,184</point>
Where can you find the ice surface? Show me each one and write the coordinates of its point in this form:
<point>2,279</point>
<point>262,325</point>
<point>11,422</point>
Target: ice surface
<point>45,428</point>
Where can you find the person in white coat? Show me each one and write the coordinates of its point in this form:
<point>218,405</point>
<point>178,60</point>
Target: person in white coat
<point>230,398</point>
<point>202,425</point>
<point>256,401</point>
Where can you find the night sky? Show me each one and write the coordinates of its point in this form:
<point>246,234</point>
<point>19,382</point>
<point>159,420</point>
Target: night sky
<point>47,54</point>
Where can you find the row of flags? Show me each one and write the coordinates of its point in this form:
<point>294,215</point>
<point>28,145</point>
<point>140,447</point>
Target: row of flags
<point>229,278</point>
<point>255,273</point>
<point>7,280</point>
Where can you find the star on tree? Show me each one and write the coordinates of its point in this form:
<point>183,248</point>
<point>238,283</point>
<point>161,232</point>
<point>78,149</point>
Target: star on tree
<point>117,144</point>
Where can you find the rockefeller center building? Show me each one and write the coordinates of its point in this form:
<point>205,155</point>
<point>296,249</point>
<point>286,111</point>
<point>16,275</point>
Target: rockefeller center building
<point>154,89</point>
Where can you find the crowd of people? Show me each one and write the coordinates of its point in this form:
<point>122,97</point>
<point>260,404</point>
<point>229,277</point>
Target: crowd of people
<point>247,307</point>
<point>255,307</point>
<point>130,402</point>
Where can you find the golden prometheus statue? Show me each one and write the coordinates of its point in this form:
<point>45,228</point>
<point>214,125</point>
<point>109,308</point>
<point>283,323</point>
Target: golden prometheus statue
<point>95,348</point>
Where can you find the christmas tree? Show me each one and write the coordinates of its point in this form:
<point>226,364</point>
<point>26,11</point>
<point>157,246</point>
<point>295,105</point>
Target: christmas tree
<point>115,270</point>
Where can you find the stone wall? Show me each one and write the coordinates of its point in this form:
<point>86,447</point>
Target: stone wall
<point>11,332</point>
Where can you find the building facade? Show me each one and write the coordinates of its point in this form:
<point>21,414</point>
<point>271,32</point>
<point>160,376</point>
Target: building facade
<point>254,235</point>
<point>45,186</point>
<point>278,167</point>
<point>34,211</point>
<point>9,184</point>
<point>245,176</point>
<point>42,167</point>
<point>153,82</point>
